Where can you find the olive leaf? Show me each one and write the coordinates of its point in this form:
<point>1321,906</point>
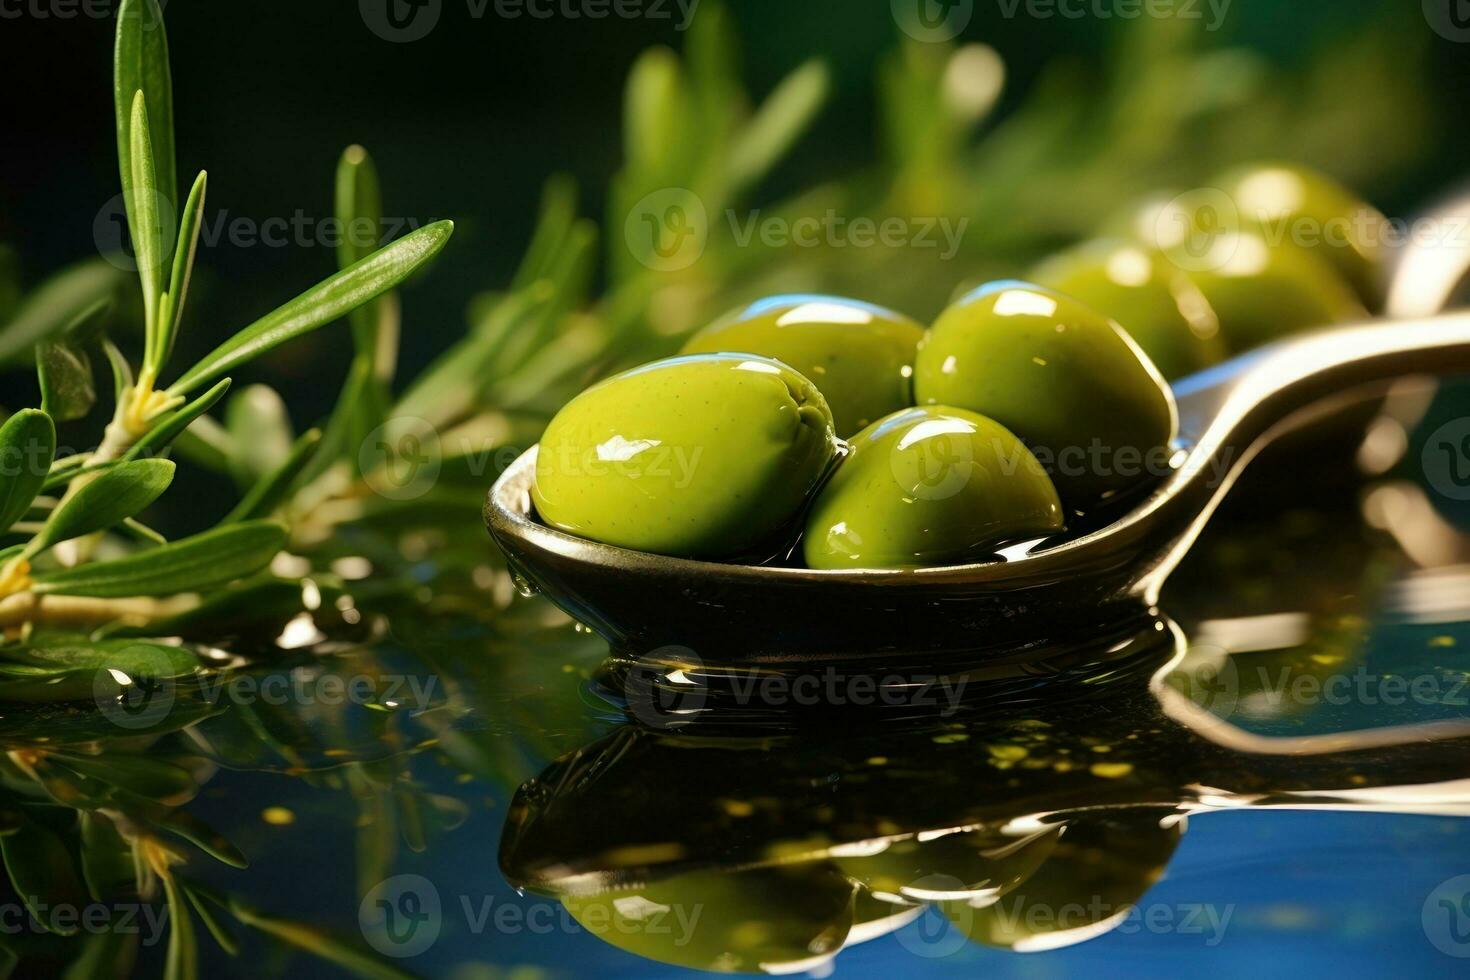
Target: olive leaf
<point>318,942</point>
<point>186,248</point>
<point>779,122</point>
<point>182,962</point>
<point>145,220</point>
<point>27,447</point>
<point>187,565</point>
<point>323,303</point>
<point>271,490</point>
<point>65,373</point>
<point>55,305</point>
<point>359,204</point>
<point>140,64</point>
<point>260,433</point>
<point>209,915</point>
<point>41,869</point>
<point>113,495</point>
<point>107,860</point>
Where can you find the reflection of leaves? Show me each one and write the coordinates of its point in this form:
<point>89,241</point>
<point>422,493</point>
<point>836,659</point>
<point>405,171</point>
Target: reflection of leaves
<point>40,865</point>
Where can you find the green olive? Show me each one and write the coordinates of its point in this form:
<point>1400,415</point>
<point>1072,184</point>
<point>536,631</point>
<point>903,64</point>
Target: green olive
<point>956,867</point>
<point>930,486</point>
<point>860,356</point>
<point>1061,376</point>
<point>1262,292</point>
<point>754,921</point>
<point>1150,296</point>
<point>1100,868</point>
<point>1293,204</point>
<point>704,456</point>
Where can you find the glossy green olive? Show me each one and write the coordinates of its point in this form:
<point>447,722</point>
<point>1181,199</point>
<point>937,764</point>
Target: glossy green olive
<point>930,486</point>
<point>1147,294</point>
<point>860,356</point>
<point>1061,376</point>
<point>734,922</point>
<point>956,867</point>
<point>1262,292</point>
<point>703,456</point>
<point>1100,868</point>
<point>1293,204</point>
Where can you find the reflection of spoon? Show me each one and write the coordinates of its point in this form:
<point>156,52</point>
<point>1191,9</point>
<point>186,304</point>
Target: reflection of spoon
<point>998,821</point>
<point>743,614</point>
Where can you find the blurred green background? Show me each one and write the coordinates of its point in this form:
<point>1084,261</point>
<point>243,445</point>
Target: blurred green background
<point>469,122</point>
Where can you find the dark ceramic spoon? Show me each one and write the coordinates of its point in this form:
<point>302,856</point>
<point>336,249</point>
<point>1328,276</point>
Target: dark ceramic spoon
<point>749,615</point>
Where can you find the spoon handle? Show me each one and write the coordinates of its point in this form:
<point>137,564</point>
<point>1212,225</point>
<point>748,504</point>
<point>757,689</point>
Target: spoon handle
<point>1230,412</point>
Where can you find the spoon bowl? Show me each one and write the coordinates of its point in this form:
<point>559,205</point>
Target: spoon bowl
<point>1018,608</point>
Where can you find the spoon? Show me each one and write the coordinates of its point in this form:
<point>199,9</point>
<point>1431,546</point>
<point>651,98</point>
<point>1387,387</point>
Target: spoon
<point>747,615</point>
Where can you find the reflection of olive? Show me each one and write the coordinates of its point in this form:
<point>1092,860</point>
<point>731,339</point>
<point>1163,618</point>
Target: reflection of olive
<point>1099,869</point>
<point>738,922</point>
<point>973,865</point>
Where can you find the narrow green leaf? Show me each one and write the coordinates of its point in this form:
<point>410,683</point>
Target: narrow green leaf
<point>360,212</point>
<point>146,222</point>
<point>139,531</point>
<point>145,776</point>
<point>182,962</point>
<point>54,306</point>
<point>558,212</point>
<point>174,425</point>
<point>106,954</point>
<point>318,942</point>
<point>270,491</point>
<point>209,914</point>
<point>185,825</point>
<point>27,447</point>
<point>140,63</point>
<point>65,373</point>
<point>41,869</point>
<point>206,443</point>
<point>188,565</point>
<point>260,433</point>
<point>655,115</point>
<point>122,373</point>
<point>779,122</point>
<point>185,250</point>
<point>108,498</point>
<point>322,304</point>
<point>107,860</point>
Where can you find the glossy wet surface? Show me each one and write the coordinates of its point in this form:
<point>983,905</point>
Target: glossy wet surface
<point>1273,770</point>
